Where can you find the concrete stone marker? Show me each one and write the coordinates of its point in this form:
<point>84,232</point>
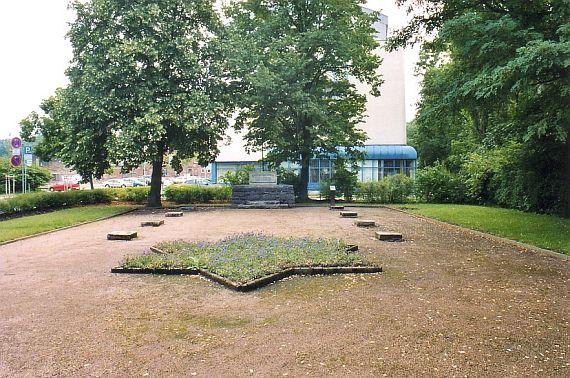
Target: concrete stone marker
<point>348,214</point>
<point>174,214</point>
<point>152,223</point>
<point>337,207</point>
<point>388,236</point>
<point>121,235</point>
<point>365,223</point>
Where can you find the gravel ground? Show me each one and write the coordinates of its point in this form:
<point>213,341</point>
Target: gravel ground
<point>450,303</point>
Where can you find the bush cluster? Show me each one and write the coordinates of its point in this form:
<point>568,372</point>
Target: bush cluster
<point>198,194</point>
<point>48,201</point>
<point>392,189</point>
<point>439,185</point>
<point>138,195</point>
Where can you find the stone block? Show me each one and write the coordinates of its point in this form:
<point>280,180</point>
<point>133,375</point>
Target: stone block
<point>337,207</point>
<point>365,223</point>
<point>152,223</point>
<point>348,214</point>
<point>121,235</point>
<point>173,214</point>
<point>388,236</point>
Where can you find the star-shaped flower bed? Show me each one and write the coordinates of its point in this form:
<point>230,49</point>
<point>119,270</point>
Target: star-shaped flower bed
<point>248,261</point>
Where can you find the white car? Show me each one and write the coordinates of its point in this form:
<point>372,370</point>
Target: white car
<point>116,183</point>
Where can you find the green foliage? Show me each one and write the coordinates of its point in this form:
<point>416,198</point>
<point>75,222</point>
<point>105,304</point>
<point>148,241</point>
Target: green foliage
<point>147,78</point>
<point>184,194</point>
<point>391,189</point>
<point>35,224</point>
<point>37,176</point>
<point>437,184</point>
<point>238,177</point>
<point>243,258</point>
<point>345,179</point>
<point>41,201</point>
<point>293,60</point>
<point>289,177</point>
<point>496,76</point>
<point>546,231</point>
<point>137,195</point>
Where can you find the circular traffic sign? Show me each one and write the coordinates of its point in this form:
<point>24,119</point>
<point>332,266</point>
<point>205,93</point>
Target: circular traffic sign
<point>16,142</point>
<point>16,160</point>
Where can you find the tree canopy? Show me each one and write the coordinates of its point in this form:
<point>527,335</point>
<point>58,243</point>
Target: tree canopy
<point>494,103</point>
<point>296,64</point>
<point>146,79</point>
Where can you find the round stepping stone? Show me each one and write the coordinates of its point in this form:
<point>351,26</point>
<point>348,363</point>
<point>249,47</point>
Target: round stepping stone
<point>174,214</point>
<point>365,223</point>
<point>152,223</point>
<point>121,235</point>
<point>348,214</point>
<point>388,236</point>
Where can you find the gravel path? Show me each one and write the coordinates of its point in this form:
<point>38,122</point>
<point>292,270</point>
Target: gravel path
<point>450,303</point>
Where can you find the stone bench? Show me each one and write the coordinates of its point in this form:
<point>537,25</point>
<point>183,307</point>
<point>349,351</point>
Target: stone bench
<point>152,223</point>
<point>174,214</point>
<point>365,223</point>
<point>121,235</point>
<point>388,236</point>
<point>348,214</point>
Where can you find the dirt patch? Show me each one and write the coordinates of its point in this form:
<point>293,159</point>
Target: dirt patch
<point>450,303</point>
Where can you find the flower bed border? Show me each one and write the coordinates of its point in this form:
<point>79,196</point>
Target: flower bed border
<point>258,282</point>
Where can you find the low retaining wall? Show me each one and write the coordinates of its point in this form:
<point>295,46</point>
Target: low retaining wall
<point>271,194</point>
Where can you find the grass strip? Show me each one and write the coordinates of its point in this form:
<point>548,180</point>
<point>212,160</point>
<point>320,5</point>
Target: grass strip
<point>35,224</point>
<point>541,230</point>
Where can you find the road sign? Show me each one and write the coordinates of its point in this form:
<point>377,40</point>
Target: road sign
<point>16,160</point>
<point>28,160</point>
<point>28,150</point>
<point>16,151</point>
<point>16,142</point>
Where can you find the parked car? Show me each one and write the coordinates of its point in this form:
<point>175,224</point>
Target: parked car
<point>134,181</point>
<point>63,186</point>
<point>116,183</point>
<point>197,181</point>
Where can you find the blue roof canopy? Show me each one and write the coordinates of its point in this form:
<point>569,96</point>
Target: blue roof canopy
<point>388,151</point>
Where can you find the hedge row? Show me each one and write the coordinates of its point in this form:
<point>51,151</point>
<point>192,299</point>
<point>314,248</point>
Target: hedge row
<point>198,194</point>
<point>48,201</point>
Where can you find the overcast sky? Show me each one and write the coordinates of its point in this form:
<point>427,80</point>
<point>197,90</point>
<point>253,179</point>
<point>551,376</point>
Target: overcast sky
<point>35,55</point>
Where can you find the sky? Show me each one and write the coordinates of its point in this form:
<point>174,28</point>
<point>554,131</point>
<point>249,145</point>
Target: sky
<point>35,54</point>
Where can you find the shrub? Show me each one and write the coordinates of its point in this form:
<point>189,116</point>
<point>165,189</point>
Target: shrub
<point>198,194</point>
<point>239,177</point>
<point>48,201</point>
<point>438,185</point>
<point>137,195</point>
<point>37,176</point>
<point>392,189</point>
<point>289,177</point>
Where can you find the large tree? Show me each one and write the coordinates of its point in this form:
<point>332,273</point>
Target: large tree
<point>69,133</point>
<point>146,79</point>
<point>297,63</point>
<point>499,71</point>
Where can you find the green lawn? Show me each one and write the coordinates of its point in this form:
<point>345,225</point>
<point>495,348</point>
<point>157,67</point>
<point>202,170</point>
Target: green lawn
<point>544,231</point>
<point>35,224</point>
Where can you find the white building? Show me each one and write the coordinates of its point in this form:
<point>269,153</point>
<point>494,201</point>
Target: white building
<point>385,149</point>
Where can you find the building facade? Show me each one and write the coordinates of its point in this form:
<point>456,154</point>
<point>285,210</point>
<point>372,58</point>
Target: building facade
<point>385,150</point>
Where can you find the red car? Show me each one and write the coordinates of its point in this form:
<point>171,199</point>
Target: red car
<point>63,186</point>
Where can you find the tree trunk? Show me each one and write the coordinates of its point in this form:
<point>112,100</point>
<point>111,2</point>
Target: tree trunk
<point>566,189</point>
<point>156,182</point>
<point>91,185</point>
<point>304,177</point>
